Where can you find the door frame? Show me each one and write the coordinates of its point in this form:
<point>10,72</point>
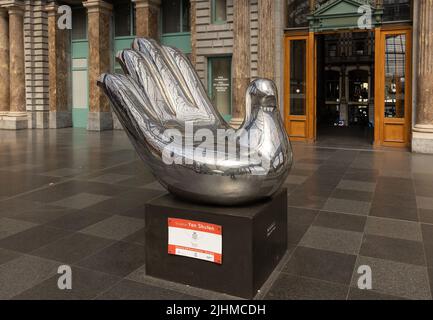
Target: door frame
<point>381,122</point>
<point>308,120</point>
<point>379,107</point>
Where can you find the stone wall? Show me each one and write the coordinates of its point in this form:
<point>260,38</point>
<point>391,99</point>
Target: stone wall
<point>36,63</point>
<point>279,25</point>
<point>217,39</point>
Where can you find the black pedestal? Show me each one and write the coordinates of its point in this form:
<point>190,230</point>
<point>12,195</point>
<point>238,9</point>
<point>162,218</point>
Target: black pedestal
<point>254,239</point>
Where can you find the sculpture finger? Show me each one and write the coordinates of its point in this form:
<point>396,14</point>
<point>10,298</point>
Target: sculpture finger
<point>186,71</point>
<point>176,90</point>
<point>128,100</point>
<point>145,74</point>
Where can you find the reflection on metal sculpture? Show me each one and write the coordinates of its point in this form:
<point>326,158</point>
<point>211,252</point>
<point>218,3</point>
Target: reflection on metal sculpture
<point>182,138</point>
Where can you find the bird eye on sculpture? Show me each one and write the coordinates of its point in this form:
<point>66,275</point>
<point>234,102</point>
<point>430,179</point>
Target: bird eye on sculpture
<point>181,137</point>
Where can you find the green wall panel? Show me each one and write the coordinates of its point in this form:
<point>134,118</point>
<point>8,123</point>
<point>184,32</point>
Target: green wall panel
<point>181,41</point>
<point>80,50</point>
<point>79,117</point>
<point>122,43</point>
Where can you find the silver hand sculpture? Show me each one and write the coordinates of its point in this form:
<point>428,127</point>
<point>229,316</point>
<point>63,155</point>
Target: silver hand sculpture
<point>182,138</point>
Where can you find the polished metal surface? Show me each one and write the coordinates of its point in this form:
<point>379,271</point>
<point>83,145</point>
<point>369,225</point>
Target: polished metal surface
<point>183,139</point>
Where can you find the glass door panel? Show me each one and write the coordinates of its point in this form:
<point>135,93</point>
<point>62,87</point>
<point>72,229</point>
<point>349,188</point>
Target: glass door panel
<point>395,70</point>
<point>298,77</point>
<point>298,86</point>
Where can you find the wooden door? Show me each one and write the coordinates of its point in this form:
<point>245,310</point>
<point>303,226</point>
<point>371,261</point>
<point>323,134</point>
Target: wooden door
<point>393,91</point>
<point>299,88</point>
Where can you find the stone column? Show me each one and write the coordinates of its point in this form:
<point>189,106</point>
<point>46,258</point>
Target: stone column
<point>266,49</point>
<point>422,139</point>
<point>99,18</point>
<point>4,62</point>
<point>60,112</point>
<point>16,118</point>
<point>241,63</point>
<point>147,17</point>
<point>193,32</point>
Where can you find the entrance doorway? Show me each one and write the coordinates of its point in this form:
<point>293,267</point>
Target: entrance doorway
<point>349,87</point>
<point>345,88</point>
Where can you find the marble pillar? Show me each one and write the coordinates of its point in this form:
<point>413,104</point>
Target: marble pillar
<point>4,62</point>
<point>422,137</point>
<point>241,63</point>
<point>266,48</point>
<point>147,14</point>
<point>17,72</point>
<point>60,111</point>
<point>16,118</point>
<point>99,18</point>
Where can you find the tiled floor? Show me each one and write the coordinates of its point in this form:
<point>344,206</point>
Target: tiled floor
<point>77,198</point>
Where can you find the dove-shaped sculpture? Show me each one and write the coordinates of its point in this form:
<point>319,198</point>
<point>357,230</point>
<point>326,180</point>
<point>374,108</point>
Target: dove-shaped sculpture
<point>181,137</point>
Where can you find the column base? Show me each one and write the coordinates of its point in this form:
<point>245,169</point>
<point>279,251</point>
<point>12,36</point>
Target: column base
<point>422,139</point>
<point>38,119</point>
<point>14,121</point>
<point>60,119</point>
<point>100,121</point>
<point>236,122</point>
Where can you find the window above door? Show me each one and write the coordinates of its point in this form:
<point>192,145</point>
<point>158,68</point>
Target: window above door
<point>176,16</point>
<point>219,11</point>
<point>124,19</point>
